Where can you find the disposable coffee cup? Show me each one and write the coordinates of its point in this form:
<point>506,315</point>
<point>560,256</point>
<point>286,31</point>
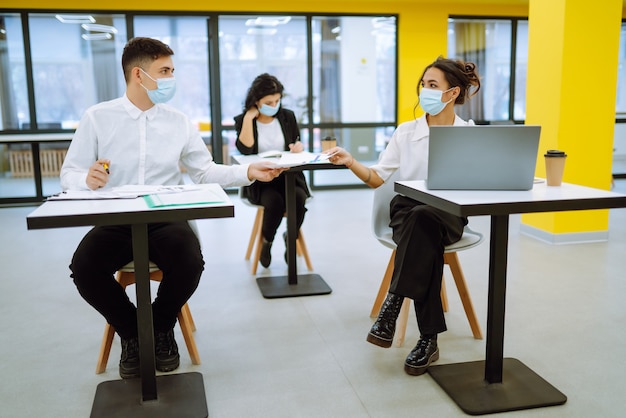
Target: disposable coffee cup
<point>328,143</point>
<point>555,165</point>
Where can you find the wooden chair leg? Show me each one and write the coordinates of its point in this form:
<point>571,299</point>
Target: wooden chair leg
<point>258,219</point>
<point>105,348</point>
<point>403,319</point>
<point>303,250</point>
<point>384,287</point>
<point>257,252</point>
<point>187,313</point>
<point>187,331</point>
<point>452,260</point>
<point>444,295</point>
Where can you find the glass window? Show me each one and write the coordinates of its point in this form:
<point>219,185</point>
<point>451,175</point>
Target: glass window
<point>252,45</point>
<point>76,64</point>
<point>14,106</point>
<point>620,107</point>
<point>487,43</point>
<point>521,70</point>
<point>187,36</point>
<point>354,69</point>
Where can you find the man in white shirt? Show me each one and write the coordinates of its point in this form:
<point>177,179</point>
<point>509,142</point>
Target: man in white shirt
<point>137,139</point>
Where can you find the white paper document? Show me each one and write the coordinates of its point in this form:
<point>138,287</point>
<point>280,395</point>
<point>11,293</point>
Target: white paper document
<point>123,192</point>
<point>294,159</point>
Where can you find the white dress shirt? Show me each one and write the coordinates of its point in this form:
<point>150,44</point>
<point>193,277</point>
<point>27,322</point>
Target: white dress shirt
<point>144,148</point>
<point>407,151</point>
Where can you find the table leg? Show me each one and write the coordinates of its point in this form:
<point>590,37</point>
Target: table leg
<point>180,394</point>
<point>497,384</point>
<point>293,284</point>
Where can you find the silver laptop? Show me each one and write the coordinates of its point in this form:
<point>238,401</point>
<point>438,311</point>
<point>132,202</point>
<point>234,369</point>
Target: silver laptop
<point>491,157</point>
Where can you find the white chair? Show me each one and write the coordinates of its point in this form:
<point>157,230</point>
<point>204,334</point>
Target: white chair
<point>382,231</point>
<point>256,237</point>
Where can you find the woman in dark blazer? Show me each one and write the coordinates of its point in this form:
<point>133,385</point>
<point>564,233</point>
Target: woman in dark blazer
<point>266,126</point>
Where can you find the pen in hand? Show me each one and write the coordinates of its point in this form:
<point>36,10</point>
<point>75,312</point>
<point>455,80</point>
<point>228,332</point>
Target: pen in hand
<point>106,168</point>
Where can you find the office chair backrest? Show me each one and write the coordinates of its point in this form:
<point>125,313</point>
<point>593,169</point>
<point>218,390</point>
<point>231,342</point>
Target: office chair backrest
<point>380,211</point>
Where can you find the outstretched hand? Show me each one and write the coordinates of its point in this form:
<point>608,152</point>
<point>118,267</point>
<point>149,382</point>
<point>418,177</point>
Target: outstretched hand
<point>340,156</point>
<point>264,171</point>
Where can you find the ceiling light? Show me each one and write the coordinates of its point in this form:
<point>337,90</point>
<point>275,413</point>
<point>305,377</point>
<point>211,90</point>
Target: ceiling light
<point>75,18</point>
<point>268,21</point>
<point>92,27</point>
<point>98,36</point>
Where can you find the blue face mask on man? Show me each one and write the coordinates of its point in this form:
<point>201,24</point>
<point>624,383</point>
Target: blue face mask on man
<point>430,100</point>
<point>166,88</point>
<point>268,110</point>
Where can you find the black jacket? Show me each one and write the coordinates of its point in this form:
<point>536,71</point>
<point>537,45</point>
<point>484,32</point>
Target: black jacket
<point>288,124</point>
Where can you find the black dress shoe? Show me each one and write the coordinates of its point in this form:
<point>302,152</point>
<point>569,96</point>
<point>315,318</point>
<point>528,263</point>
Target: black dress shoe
<point>266,256</point>
<point>166,351</point>
<point>129,360</point>
<point>424,353</point>
<point>381,333</point>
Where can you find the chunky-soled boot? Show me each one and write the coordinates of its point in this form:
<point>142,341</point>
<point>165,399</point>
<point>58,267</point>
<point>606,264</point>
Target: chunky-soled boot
<point>384,328</point>
<point>424,353</point>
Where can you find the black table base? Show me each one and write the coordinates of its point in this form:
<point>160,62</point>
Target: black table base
<point>279,287</point>
<point>521,388</point>
<point>180,395</point>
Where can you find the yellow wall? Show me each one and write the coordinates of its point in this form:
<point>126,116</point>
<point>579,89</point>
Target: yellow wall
<point>422,24</point>
<point>576,113</point>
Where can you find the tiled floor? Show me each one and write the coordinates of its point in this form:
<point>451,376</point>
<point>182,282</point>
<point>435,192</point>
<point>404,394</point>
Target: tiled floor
<point>307,357</point>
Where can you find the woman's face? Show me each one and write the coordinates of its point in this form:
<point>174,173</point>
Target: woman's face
<point>434,79</point>
<point>270,100</point>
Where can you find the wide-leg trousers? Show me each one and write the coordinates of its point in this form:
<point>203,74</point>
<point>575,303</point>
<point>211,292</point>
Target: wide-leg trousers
<point>173,247</point>
<point>421,233</point>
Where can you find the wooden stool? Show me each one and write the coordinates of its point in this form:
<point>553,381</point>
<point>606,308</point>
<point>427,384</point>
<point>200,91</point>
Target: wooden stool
<point>126,277</point>
<point>256,238</point>
<point>450,258</point>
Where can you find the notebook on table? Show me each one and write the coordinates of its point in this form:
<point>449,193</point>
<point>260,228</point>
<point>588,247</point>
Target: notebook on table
<point>482,157</point>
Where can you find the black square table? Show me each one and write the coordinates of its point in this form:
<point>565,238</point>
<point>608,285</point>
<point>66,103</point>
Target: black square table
<point>502,384</point>
<point>293,284</point>
<point>181,395</point>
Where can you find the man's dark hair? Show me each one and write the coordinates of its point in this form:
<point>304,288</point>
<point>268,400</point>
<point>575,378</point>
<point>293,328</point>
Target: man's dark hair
<point>141,52</point>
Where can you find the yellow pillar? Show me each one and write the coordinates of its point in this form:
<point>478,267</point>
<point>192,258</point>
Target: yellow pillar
<point>571,92</point>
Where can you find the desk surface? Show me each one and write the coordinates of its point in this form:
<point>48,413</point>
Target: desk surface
<point>59,214</point>
<point>541,198</point>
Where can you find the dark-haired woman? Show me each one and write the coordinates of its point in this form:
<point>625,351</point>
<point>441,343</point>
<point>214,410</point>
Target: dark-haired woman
<point>267,126</point>
<point>420,231</point>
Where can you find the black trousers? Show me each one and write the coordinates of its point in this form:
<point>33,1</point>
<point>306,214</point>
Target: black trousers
<point>173,247</point>
<point>421,232</point>
<point>272,198</point>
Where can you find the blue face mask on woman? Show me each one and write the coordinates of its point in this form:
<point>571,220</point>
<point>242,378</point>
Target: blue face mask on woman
<point>430,100</point>
<point>268,110</point>
<point>166,88</point>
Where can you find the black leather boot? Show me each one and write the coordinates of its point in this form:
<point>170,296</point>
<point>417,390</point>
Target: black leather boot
<point>384,328</point>
<point>424,353</point>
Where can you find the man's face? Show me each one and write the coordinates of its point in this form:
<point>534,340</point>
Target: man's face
<point>163,67</point>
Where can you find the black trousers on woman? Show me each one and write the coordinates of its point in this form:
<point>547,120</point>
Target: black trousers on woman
<point>173,247</point>
<point>421,232</point>
<point>272,198</point>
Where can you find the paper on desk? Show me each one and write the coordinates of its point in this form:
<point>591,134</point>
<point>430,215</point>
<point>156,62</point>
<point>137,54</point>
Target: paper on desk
<point>199,196</point>
<point>294,159</point>
<point>130,191</point>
